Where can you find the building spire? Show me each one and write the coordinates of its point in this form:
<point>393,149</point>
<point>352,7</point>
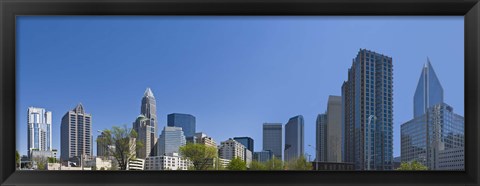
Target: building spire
<point>149,93</point>
<point>79,108</point>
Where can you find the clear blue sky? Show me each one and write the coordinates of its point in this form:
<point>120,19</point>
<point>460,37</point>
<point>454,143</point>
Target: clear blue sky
<point>232,73</point>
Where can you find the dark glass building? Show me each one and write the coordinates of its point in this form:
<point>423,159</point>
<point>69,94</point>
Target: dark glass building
<point>272,139</point>
<point>294,138</point>
<point>245,141</point>
<point>186,121</point>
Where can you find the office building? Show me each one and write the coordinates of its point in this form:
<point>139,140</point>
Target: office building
<point>75,134</point>
<point>170,141</point>
<point>294,138</point>
<point>367,112</point>
<point>263,156</point>
<point>167,162</point>
<point>231,149</point>
<point>272,139</point>
<point>146,125</point>
<point>185,121</point>
<point>334,129</point>
<point>203,138</point>
<point>435,135</point>
<point>136,164</point>
<point>321,138</point>
<point>39,136</point>
<point>245,141</point>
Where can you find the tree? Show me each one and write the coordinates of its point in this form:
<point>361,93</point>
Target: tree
<point>17,159</point>
<point>256,165</point>
<point>299,163</point>
<point>124,140</point>
<point>237,164</point>
<point>274,164</point>
<point>41,161</point>
<point>414,165</point>
<point>201,155</point>
<point>52,160</point>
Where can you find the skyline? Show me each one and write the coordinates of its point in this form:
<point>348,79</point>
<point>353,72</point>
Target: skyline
<point>226,101</point>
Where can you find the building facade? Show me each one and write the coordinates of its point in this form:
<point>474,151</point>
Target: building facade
<point>334,129</point>
<point>39,136</point>
<point>170,141</point>
<point>435,132</point>
<point>75,134</point>
<point>146,125</point>
<point>272,139</point>
<point>203,138</point>
<point>167,162</point>
<point>294,138</point>
<point>321,138</point>
<point>245,141</point>
<point>263,156</point>
<point>231,149</point>
<point>185,121</point>
<point>136,164</point>
<point>367,112</point>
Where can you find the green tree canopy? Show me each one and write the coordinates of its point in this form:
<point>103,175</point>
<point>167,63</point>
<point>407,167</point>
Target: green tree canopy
<point>237,164</point>
<point>414,165</point>
<point>256,165</point>
<point>201,155</point>
<point>124,140</point>
<point>274,164</point>
<point>299,163</point>
<point>17,159</point>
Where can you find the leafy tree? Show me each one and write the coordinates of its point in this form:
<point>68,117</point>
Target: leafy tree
<point>124,140</point>
<point>201,155</point>
<point>52,160</point>
<point>17,159</point>
<point>237,164</point>
<point>274,164</point>
<point>256,165</point>
<point>414,165</point>
<point>41,162</point>
<point>299,163</point>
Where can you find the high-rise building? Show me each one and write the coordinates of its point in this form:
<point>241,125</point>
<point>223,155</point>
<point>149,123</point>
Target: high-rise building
<point>231,149</point>
<point>245,141</point>
<point>186,121</point>
<point>39,130</point>
<point>146,125</point>
<point>321,138</point>
<point>367,111</point>
<point>203,138</point>
<point>76,135</point>
<point>334,129</point>
<point>263,156</point>
<point>171,139</point>
<point>294,138</point>
<point>272,139</point>
<point>435,135</point>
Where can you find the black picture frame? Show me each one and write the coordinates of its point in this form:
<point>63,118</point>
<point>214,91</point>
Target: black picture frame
<point>9,9</point>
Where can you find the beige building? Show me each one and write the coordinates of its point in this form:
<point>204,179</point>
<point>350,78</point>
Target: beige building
<point>231,149</point>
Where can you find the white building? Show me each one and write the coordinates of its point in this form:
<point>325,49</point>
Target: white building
<point>136,164</point>
<point>167,162</point>
<point>99,163</point>
<point>39,130</point>
<point>232,149</point>
<point>170,140</point>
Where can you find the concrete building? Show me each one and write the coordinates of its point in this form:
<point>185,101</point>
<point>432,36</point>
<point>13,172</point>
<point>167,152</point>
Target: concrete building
<point>294,138</point>
<point>367,112</point>
<point>231,149</point>
<point>167,162</point>
<point>321,138</point>
<point>39,136</point>
<point>136,164</point>
<point>146,125</point>
<point>75,134</point>
<point>185,121</point>
<point>171,139</point>
<point>435,130</point>
<point>99,164</point>
<point>272,139</point>
<point>203,138</point>
<point>334,129</point>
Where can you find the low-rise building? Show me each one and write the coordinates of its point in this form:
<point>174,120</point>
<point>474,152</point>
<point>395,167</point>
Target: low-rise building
<point>99,163</point>
<point>167,162</point>
<point>136,164</point>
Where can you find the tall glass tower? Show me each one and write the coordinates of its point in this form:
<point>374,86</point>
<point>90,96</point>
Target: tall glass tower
<point>294,138</point>
<point>146,125</point>
<point>429,91</point>
<point>170,140</point>
<point>186,121</point>
<point>367,111</point>
<point>272,139</point>
<point>39,130</point>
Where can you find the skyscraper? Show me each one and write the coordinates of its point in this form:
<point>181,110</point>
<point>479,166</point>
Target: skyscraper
<point>171,139</point>
<point>321,138</point>
<point>272,139</point>
<point>245,141</point>
<point>367,111</point>
<point>186,121</point>
<point>294,138</point>
<point>231,149</point>
<point>334,129</point>
<point>435,135</point>
<point>146,126</point>
<point>39,130</point>
<point>76,136</point>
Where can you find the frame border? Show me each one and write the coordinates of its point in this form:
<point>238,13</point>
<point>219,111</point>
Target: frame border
<point>9,9</point>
